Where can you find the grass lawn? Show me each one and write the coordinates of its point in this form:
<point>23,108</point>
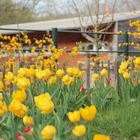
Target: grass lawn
<point>121,122</point>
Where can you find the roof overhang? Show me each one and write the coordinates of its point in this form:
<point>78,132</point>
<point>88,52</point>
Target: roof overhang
<point>69,23</point>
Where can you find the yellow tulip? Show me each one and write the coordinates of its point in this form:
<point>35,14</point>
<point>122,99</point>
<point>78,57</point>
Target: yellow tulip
<point>22,72</point>
<point>1,85</point>
<point>1,97</point>
<point>19,95</point>
<point>48,132</point>
<point>38,74</point>
<point>9,77</point>
<point>88,113</point>
<point>74,116</point>
<point>42,96</point>
<point>101,137</point>
<point>3,108</point>
<point>44,103</point>
<point>30,72</point>
<point>79,130</point>
<point>28,121</point>
<point>23,83</point>
<point>46,74</point>
<point>18,108</point>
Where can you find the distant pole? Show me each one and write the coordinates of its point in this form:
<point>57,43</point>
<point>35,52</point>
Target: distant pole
<point>55,41</point>
<point>55,36</point>
<point>126,46</point>
<point>87,69</point>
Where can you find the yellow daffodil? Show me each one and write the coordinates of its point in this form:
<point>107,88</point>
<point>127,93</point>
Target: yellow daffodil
<point>48,132</point>
<point>60,73</point>
<point>80,74</point>
<point>67,80</point>
<point>124,65</point>
<point>126,75</point>
<point>121,71</point>
<point>75,72</point>
<point>95,76</point>
<point>42,74</point>
<point>137,62</point>
<point>79,130</point>
<point>69,71</point>
<point>52,80</point>
<point>104,72</point>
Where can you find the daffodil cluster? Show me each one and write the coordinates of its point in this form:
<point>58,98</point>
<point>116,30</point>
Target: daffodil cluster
<point>124,69</point>
<point>96,76</point>
<point>136,64</point>
<point>35,96</point>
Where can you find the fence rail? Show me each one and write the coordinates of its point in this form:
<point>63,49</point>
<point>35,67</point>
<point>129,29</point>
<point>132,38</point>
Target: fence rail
<point>88,69</point>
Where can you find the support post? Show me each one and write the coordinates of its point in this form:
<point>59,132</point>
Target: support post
<point>126,46</point>
<point>109,69</point>
<point>55,41</point>
<point>55,36</point>
<point>87,69</point>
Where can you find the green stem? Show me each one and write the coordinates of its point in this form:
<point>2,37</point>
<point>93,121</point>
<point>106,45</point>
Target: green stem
<point>13,128</point>
<point>32,103</point>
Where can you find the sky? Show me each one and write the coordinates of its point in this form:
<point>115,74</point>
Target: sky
<point>62,5</point>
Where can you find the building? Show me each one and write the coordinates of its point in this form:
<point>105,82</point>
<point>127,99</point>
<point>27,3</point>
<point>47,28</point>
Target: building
<point>69,39</point>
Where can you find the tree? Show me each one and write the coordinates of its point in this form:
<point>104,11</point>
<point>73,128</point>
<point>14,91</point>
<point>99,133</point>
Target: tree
<point>12,12</point>
<point>96,12</point>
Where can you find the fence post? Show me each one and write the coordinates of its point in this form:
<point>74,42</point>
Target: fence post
<point>126,46</point>
<point>55,36</point>
<point>3,74</point>
<point>118,78</point>
<point>87,69</point>
<point>55,41</point>
<point>109,69</point>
